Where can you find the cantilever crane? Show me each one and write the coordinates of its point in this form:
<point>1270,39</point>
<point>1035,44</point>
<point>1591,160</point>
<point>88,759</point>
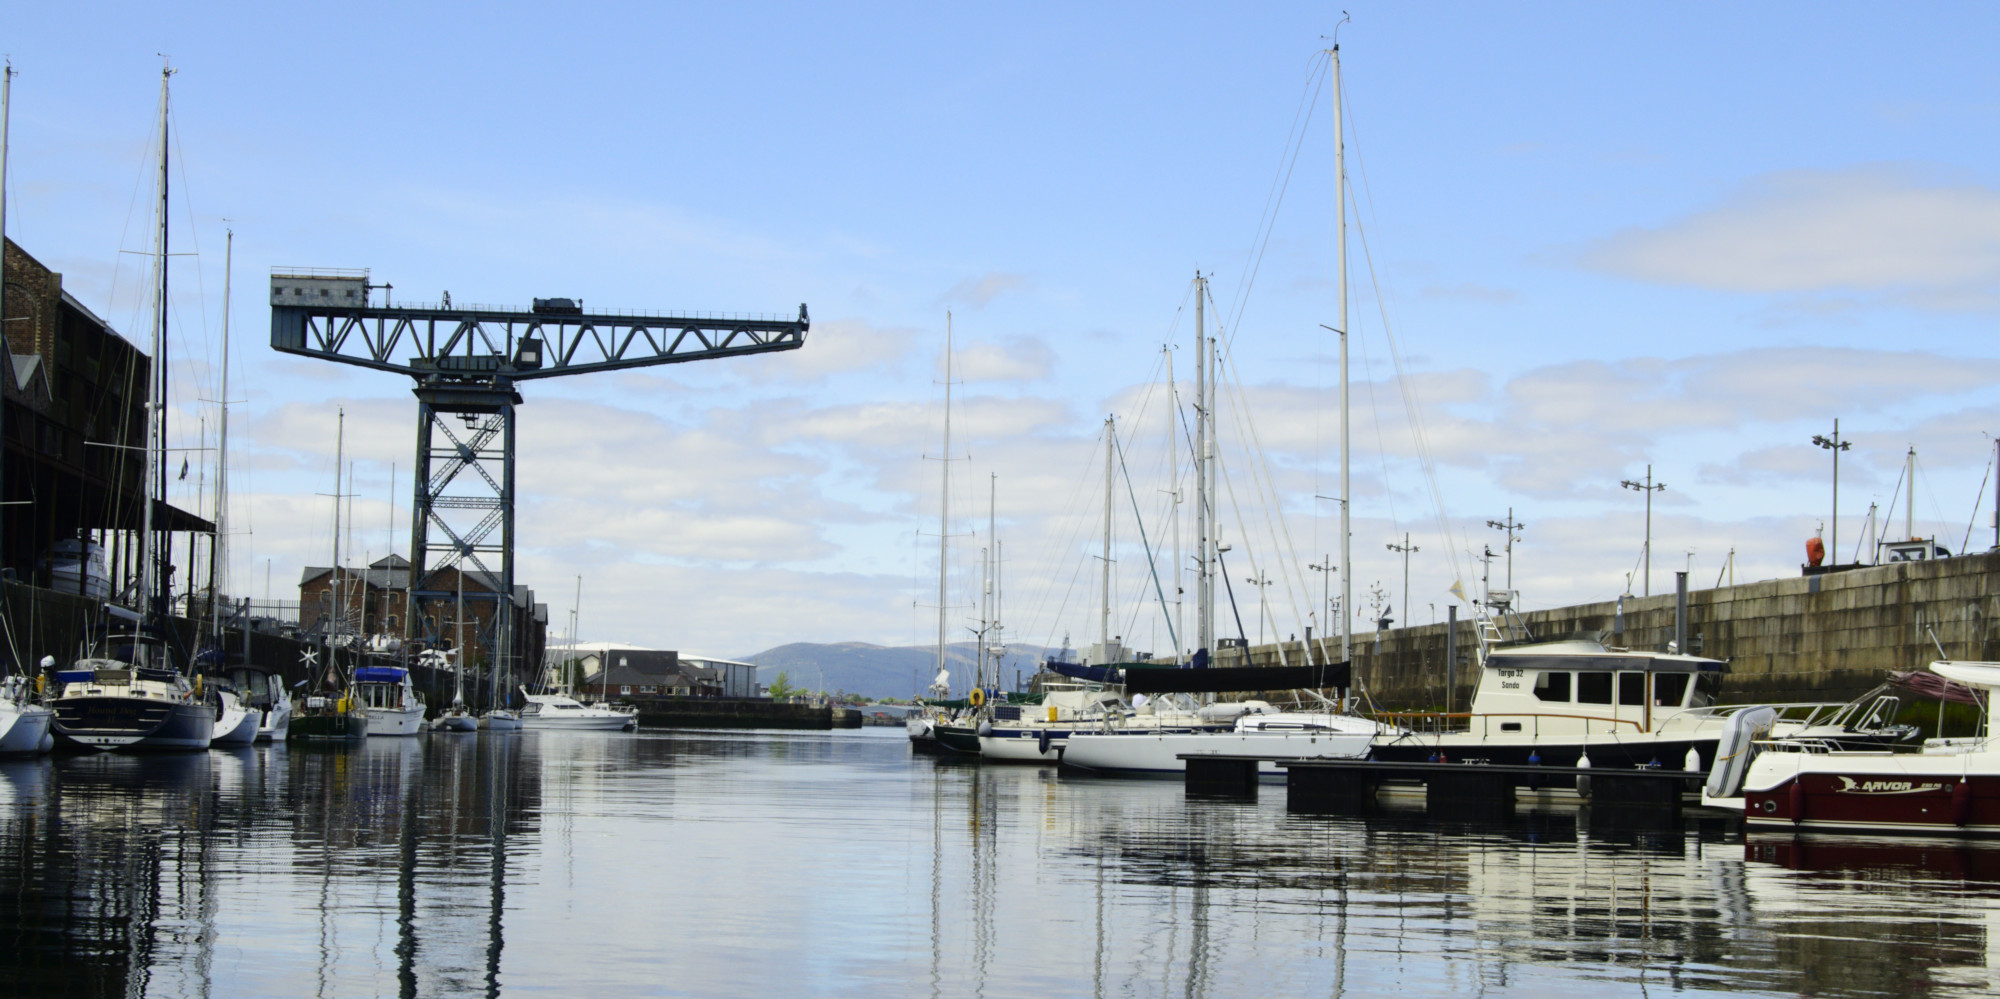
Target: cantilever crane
<point>465,362</point>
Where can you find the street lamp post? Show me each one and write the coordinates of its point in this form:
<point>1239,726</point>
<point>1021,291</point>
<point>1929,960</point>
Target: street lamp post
<point>1649,487</point>
<point>1405,548</point>
<point>1836,445</point>
<point>1325,567</point>
<point>1510,525</point>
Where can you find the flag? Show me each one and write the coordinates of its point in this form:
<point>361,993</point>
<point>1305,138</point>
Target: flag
<point>1458,589</point>
<point>184,469</point>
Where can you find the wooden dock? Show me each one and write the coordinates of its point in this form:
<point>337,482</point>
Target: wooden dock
<point>1470,790</point>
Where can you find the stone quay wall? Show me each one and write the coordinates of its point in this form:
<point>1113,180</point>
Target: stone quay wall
<point>1809,638</point>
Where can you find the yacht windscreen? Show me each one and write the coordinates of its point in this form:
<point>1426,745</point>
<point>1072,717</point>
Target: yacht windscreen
<point>1669,689</point>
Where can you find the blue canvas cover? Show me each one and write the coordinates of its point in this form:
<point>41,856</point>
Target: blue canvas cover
<point>380,674</point>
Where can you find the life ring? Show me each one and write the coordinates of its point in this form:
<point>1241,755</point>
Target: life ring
<point>977,697</point>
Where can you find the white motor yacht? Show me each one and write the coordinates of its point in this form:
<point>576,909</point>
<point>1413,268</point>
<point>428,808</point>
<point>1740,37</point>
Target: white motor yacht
<point>274,710</point>
<point>555,712</point>
<point>24,725</point>
<point>236,722</point>
<point>394,707</point>
<point>1950,788</point>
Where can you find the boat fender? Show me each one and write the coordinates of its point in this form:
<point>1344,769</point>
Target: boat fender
<point>1583,780</point>
<point>977,697</point>
<point>1736,748</point>
<point>1693,764</point>
<point>1961,802</point>
<point>1534,758</point>
<point>1798,799</point>
<point>1043,742</point>
<point>41,683</point>
<point>197,685</point>
<point>48,742</point>
<point>985,728</point>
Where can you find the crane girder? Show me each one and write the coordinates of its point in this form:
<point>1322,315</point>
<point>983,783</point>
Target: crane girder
<point>482,342</point>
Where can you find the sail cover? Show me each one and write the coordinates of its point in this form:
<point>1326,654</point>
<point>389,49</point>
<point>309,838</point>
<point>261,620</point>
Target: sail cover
<point>1216,680</point>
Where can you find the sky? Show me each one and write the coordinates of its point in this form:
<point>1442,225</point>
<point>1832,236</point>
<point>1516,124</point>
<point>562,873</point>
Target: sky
<point>1585,240</point>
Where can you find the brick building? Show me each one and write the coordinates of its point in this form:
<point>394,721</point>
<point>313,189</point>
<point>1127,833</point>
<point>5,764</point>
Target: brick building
<point>75,431</point>
<point>373,602</point>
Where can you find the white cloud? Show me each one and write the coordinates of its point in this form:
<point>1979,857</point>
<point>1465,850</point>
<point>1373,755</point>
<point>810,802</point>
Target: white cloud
<point>1015,359</point>
<point>1877,232</point>
<point>980,291</point>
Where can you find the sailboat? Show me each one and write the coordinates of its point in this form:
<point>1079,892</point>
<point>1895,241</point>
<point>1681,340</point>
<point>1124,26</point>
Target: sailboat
<point>331,713</point>
<point>24,724</point>
<point>136,698</point>
<point>1251,727</point>
<point>236,721</point>
<point>457,718</point>
<point>935,732</point>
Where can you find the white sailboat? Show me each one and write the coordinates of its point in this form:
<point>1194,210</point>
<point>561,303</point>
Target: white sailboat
<point>457,718</point>
<point>1257,730</point>
<point>394,707</point>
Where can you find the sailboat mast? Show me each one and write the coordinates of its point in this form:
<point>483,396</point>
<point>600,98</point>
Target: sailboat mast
<point>152,555</point>
<point>458,644</point>
<point>6,113</point>
<point>1346,530</point>
<point>1204,585</point>
<point>1104,605</point>
<point>218,544</point>
<point>1174,495</point>
<point>944,495</point>
<point>339,458</point>
<point>1910,495</point>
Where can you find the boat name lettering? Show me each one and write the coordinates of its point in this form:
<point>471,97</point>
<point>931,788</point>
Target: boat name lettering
<point>1849,785</point>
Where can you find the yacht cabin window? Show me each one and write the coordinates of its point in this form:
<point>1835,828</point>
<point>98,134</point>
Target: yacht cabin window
<point>1552,686</point>
<point>1593,688</point>
<point>1632,688</point>
<point>1706,685</point>
<point>1669,689</point>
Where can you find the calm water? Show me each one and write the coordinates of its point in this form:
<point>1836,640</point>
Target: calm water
<point>765,865</point>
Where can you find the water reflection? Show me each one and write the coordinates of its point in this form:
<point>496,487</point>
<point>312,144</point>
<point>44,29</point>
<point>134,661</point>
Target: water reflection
<point>833,864</point>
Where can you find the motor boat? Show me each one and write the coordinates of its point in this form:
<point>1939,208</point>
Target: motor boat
<point>1951,786</point>
<point>77,566</point>
<point>274,710</point>
<point>557,712</point>
<point>236,722</point>
<point>394,707</point>
<point>24,725</point>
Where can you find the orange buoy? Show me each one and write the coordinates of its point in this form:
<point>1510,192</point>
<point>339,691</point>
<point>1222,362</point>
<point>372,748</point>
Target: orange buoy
<point>1815,551</point>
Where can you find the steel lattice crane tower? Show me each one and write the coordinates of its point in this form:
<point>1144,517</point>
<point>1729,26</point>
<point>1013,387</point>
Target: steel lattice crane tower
<point>466,363</point>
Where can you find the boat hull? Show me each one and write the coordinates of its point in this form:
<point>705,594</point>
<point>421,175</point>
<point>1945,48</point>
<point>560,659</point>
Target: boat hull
<point>275,724</point>
<point>500,721</point>
<point>331,726</point>
<point>591,723</point>
<point>395,722</point>
<point>455,722</point>
<point>957,739</point>
<point>132,724</point>
<point>1874,793</point>
<point>24,729</point>
<point>1160,754</point>
<point>1607,751</point>
<point>236,728</point>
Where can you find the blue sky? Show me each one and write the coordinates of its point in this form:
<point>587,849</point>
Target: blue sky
<point>1606,235</point>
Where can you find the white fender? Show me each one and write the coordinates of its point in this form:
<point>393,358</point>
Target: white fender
<point>1736,748</point>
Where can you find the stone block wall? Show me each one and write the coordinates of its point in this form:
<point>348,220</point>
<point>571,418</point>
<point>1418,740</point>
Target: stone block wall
<point>1807,638</point>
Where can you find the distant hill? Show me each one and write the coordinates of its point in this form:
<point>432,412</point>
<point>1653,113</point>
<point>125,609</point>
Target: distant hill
<point>880,670</point>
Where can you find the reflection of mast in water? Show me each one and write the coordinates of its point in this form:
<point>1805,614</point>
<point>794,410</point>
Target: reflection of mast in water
<point>498,787</point>
<point>985,824</point>
<point>406,893</point>
<point>937,882</point>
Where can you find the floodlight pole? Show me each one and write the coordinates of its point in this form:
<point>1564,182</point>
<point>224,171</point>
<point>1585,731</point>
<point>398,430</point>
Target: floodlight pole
<point>1836,445</point>
<point>1649,487</point>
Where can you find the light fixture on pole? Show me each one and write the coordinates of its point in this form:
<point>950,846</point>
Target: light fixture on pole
<point>1510,525</point>
<point>1405,549</point>
<point>1649,487</point>
<point>1836,445</point>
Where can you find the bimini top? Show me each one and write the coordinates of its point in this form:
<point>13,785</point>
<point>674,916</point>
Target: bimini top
<point>1985,675</point>
<point>380,674</point>
<point>1589,656</point>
